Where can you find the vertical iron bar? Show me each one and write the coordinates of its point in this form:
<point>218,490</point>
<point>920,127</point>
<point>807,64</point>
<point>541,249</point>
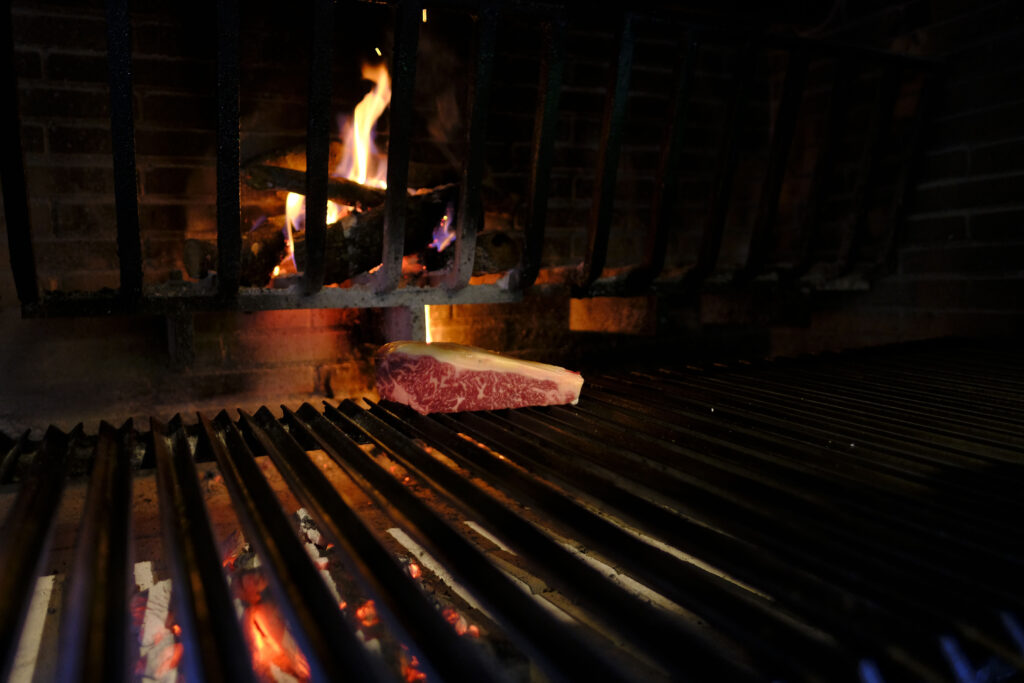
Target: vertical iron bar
<point>403,81</point>
<point>905,183</point>
<point>229,234</point>
<point>470,214</point>
<point>711,240</point>
<point>214,649</point>
<point>856,224</point>
<point>835,125</point>
<point>12,172</point>
<point>94,631</point>
<point>24,536</point>
<point>549,90</point>
<point>608,161</point>
<point>668,171</point>
<point>778,156</point>
<point>122,129</point>
<point>330,645</point>
<point>318,144</point>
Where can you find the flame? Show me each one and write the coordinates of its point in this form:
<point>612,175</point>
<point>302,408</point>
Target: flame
<point>271,645</point>
<point>426,324</point>
<point>359,145</point>
<point>443,233</point>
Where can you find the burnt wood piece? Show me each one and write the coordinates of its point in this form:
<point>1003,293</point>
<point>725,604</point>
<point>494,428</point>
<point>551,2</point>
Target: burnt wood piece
<point>262,249</point>
<point>355,243</point>
<point>340,190</point>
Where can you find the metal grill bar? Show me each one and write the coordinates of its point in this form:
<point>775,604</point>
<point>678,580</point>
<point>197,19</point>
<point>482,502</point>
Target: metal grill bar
<point>318,133</point>
<point>213,646</point>
<point>122,130</point>
<point>608,160</point>
<point>23,538</point>
<point>471,209</point>
<point>709,523</point>
<point>12,172</point>
<point>549,90</point>
<point>448,653</point>
<point>94,635</point>
<point>329,644</point>
<point>229,237</point>
<point>403,81</point>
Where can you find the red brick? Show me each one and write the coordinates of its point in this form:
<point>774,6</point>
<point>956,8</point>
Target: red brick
<point>28,65</point>
<point>67,181</point>
<point>61,103</point>
<point>935,230</point>
<point>85,220</point>
<point>1001,225</point>
<point>78,32</point>
<point>178,111</point>
<point>179,182</point>
<point>964,259</point>
<point>175,143</point>
<point>79,140</point>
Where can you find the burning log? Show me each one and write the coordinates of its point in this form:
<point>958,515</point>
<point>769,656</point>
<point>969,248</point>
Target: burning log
<point>340,190</point>
<point>263,248</point>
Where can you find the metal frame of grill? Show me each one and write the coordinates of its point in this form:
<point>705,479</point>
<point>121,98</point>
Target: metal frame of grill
<point>839,518</point>
<point>180,298</point>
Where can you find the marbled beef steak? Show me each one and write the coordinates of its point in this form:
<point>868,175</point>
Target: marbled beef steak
<point>448,378</point>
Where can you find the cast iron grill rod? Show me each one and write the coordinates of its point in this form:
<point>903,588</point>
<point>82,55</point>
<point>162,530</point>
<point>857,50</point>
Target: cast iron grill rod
<point>804,519</point>
<point>608,159</point>
<point>910,592</point>
<point>229,236</point>
<point>318,132</point>
<point>326,639</point>
<point>813,600</point>
<point>782,453</point>
<point>94,632</point>
<point>471,210</point>
<point>889,512</point>
<point>549,89</point>
<point>888,559</point>
<point>214,649</point>
<point>869,393</point>
<point>660,637</point>
<point>832,401</point>
<point>563,653</point>
<point>24,536</point>
<point>928,465</point>
<point>12,171</point>
<point>745,617</point>
<point>122,131</point>
<point>779,387</point>
<point>452,656</point>
<point>403,81</point>
<point>815,424</point>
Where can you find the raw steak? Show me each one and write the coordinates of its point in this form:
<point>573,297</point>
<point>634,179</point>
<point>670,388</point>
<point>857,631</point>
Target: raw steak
<point>449,378</point>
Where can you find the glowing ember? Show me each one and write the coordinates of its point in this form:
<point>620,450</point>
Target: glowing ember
<point>414,570</point>
<point>410,669</point>
<point>367,614</point>
<point>277,271</point>
<point>270,643</point>
<point>457,621</point>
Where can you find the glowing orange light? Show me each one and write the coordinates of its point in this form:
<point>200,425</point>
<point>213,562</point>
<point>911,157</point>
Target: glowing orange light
<point>455,619</point>
<point>342,605</point>
<point>267,638</point>
<point>367,614</point>
<point>410,670</point>
<point>414,570</point>
<point>171,662</point>
<point>277,271</point>
<point>330,545</point>
<point>473,631</point>
<point>176,629</point>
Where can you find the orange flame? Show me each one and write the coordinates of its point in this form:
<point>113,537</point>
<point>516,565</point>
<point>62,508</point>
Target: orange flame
<point>360,150</point>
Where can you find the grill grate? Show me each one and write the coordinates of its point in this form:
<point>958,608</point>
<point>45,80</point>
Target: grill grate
<point>844,517</point>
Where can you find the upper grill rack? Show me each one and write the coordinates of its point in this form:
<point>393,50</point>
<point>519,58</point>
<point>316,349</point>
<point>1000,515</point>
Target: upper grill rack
<point>838,518</point>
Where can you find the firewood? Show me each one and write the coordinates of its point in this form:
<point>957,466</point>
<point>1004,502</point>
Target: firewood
<point>262,248</point>
<point>340,190</point>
